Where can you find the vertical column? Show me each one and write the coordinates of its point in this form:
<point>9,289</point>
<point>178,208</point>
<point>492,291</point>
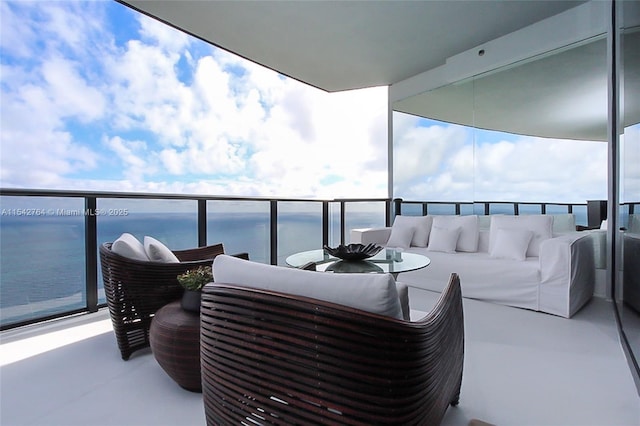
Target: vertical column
<point>273,231</point>
<point>342,222</point>
<point>325,223</point>
<point>91,253</point>
<point>202,223</point>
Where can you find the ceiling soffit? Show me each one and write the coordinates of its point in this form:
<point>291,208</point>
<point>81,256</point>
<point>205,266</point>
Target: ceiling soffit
<point>342,45</point>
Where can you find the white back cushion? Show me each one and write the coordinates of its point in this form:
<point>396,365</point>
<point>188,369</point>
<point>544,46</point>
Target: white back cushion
<point>540,225</point>
<point>128,246</point>
<point>511,244</point>
<point>444,239</point>
<point>158,252</point>
<point>375,293</point>
<point>400,237</point>
<point>483,241</point>
<point>468,239</point>
<point>421,226</point>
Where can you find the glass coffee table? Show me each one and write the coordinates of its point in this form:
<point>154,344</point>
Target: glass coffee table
<point>387,261</point>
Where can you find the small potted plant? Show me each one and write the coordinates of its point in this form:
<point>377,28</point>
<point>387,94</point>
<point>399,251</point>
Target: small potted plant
<point>193,280</point>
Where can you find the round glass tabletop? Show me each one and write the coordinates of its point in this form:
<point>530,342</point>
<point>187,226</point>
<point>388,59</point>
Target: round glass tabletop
<point>387,261</point>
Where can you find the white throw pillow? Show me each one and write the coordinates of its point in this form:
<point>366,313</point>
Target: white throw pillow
<point>540,225</point>
<point>511,244</point>
<point>158,252</point>
<point>128,246</point>
<point>468,224</point>
<point>443,239</point>
<point>421,226</point>
<point>375,293</point>
<point>400,237</point>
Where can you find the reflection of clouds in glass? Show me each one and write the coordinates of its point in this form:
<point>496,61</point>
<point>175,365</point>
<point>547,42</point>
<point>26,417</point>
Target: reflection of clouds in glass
<point>630,172</point>
<point>432,160</point>
<point>499,167</point>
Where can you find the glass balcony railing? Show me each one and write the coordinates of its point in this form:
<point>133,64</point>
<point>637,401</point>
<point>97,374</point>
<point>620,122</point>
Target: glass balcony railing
<point>49,239</point>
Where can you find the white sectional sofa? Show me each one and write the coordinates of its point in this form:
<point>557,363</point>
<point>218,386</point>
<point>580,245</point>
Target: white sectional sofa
<point>536,262</point>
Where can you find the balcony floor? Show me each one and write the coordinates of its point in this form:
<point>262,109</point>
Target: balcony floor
<point>521,368</point>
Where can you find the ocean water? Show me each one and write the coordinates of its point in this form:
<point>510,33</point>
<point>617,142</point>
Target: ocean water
<point>42,264</point>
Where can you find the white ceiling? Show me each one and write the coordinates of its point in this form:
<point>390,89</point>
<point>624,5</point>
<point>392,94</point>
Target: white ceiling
<point>566,91</point>
<point>343,45</point>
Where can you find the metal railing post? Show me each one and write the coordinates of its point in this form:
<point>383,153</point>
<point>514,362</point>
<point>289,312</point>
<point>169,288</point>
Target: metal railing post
<point>202,223</point>
<point>342,221</point>
<point>397,206</point>
<point>91,253</point>
<point>273,231</point>
<point>325,223</point>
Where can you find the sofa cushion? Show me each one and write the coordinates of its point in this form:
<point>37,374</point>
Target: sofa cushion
<point>444,239</point>
<point>158,252</point>
<point>129,246</point>
<point>421,226</point>
<point>511,244</point>
<point>401,236</point>
<point>540,225</point>
<point>468,224</point>
<point>376,293</point>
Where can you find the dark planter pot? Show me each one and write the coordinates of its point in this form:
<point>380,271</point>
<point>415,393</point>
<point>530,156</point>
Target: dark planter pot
<point>191,300</point>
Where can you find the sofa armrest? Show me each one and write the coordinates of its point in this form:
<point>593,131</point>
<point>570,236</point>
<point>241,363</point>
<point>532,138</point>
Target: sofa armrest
<point>567,273</point>
<point>370,235</point>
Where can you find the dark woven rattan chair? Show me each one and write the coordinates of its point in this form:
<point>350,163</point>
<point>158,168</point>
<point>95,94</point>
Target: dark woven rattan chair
<point>271,358</point>
<point>136,289</point>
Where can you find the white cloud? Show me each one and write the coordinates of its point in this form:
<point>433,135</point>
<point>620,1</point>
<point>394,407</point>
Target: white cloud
<point>69,93</point>
<point>519,168</point>
<point>537,169</point>
<point>130,152</point>
<point>226,125</point>
<point>156,114</point>
<point>424,150</point>
<point>161,35</point>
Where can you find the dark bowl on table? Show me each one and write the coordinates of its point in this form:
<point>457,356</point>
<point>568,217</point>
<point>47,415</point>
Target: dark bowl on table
<point>351,266</point>
<point>353,251</point>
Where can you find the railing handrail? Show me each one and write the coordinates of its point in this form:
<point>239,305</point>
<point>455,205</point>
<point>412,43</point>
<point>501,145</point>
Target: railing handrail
<point>159,195</point>
<point>392,207</point>
<point>91,198</point>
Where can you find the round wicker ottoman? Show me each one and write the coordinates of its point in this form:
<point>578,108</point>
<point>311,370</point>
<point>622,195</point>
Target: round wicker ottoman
<point>174,337</point>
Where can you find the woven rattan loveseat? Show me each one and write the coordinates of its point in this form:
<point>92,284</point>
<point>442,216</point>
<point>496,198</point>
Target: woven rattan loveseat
<point>136,289</point>
<point>272,358</point>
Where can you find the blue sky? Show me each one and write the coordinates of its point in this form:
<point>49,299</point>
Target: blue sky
<point>98,97</point>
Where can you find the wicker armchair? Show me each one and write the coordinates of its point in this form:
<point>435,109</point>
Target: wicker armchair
<point>136,289</point>
<point>272,358</point>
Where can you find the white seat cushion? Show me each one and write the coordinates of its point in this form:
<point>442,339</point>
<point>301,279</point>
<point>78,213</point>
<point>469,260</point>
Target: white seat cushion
<point>376,293</point>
